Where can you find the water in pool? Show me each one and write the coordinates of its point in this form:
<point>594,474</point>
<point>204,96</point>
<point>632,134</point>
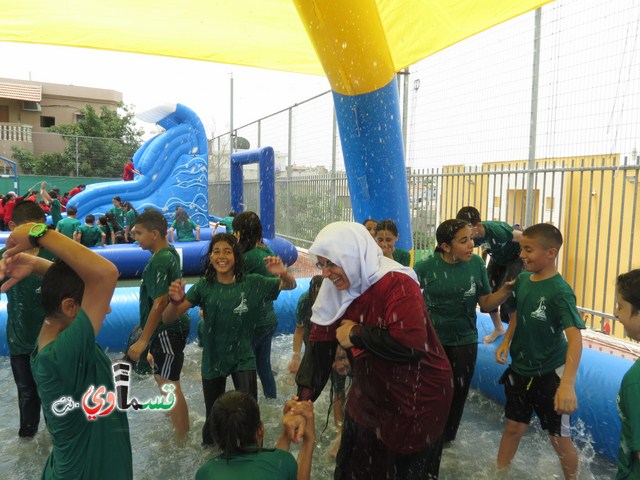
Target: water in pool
<point>155,456</point>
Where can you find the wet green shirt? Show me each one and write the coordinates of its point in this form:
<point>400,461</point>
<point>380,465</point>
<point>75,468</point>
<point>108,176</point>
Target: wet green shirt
<point>629,409</point>
<point>545,309</point>
<point>25,313</point>
<point>230,315</point>
<point>130,218</point>
<point>119,214</point>
<point>273,464</point>
<point>451,292</point>
<point>253,262</point>
<point>184,231</point>
<point>67,226</point>
<point>91,235</point>
<point>106,229</point>
<point>56,211</point>
<point>499,237</point>
<point>161,269</point>
<point>82,449</point>
<point>401,256</point>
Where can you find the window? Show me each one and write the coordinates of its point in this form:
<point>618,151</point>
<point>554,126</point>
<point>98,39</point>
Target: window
<point>79,117</point>
<point>46,122</point>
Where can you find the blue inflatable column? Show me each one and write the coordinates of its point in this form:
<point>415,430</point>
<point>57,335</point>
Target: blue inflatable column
<point>371,136</point>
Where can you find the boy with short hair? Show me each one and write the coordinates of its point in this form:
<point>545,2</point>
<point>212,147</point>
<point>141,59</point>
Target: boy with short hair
<point>89,234</point>
<point>67,226</point>
<point>24,319</point>
<point>166,341</point>
<point>505,264</point>
<point>67,362</point>
<point>544,363</point>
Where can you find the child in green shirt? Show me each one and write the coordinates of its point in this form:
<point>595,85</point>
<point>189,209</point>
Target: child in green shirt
<point>627,311</point>
<point>544,364</point>
<point>386,236</point>
<point>89,234</point>
<point>67,363</point>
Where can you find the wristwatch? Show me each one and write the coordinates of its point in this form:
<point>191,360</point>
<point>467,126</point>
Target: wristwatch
<point>36,233</point>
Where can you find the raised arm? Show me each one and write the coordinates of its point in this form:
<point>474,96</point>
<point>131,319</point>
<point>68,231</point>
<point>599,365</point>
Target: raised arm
<point>279,269</point>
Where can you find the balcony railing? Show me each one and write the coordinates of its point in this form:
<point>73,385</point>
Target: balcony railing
<point>15,132</point>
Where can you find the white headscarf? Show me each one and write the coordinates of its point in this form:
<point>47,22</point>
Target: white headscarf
<point>351,247</point>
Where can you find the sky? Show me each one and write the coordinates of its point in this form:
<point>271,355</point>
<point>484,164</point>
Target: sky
<point>147,81</point>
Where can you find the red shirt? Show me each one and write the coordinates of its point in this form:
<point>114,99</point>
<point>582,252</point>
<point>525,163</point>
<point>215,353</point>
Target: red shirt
<point>406,405</point>
<point>128,172</point>
<point>8,211</point>
<point>74,191</point>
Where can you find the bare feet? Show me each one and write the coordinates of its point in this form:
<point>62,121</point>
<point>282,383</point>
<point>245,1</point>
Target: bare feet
<point>494,335</point>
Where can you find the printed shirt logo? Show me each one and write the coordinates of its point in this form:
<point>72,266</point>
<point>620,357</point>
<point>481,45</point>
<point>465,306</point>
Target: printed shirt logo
<point>472,289</point>
<point>242,307</point>
<point>539,313</point>
<point>98,402</point>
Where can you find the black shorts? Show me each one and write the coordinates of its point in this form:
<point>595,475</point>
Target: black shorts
<point>528,394</point>
<point>167,350</point>
<point>498,274</point>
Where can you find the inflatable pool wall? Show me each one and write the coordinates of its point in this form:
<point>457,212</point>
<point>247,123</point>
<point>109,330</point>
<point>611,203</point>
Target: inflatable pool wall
<point>174,168</point>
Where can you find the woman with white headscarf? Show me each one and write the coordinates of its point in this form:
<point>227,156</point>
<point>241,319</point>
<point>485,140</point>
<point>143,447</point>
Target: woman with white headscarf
<point>402,384</point>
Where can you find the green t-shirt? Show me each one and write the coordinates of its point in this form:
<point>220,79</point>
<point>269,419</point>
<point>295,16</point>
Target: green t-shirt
<point>451,292</point>
<point>629,409</point>
<point>230,315</point>
<point>161,269</point>
<point>184,231</point>
<point>227,222</point>
<point>303,315</point>
<point>130,218</point>
<point>499,237</point>
<point>106,229</point>
<point>91,235</point>
<point>273,464</point>
<point>545,309</point>
<point>253,262</point>
<point>56,211</point>
<point>82,449</point>
<point>25,313</point>
<point>119,214</point>
<point>67,226</point>
<point>401,256</point>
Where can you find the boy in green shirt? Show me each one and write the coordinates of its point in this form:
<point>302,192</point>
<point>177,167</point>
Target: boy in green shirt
<point>544,363</point>
<point>54,203</point>
<point>505,264</point>
<point>89,234</point>
<point>24,319</point>
<point>166,342</point>
<point>67,362</point>
<point>68,226</point>
<point>627,311</point>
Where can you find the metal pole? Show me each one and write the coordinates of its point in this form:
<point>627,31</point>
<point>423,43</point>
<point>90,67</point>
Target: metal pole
<point>77,159</point>
<point>332,199</point>
<point>289,171</point>
<point>405,112</point>
<point>534,119</point>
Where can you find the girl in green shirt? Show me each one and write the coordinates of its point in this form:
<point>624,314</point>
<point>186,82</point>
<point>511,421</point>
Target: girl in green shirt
<point>184,228</point>
<point>231,303</point>
<point>386,237</point>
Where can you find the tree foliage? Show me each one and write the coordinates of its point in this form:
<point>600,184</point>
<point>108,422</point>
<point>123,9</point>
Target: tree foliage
<point>96,146</point>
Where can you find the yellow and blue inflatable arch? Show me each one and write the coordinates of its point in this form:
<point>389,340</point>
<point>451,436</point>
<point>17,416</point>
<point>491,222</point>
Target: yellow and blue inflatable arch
<point>354,53</point>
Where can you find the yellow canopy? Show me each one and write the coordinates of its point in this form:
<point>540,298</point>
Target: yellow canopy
<point>260,33</point>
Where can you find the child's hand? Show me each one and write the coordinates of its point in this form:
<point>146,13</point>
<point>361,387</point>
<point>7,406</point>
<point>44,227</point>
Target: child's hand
<point>502,353</point>
<point>18,241</point>
<point>565,400</point>
<point>275,266</point>
<point>17,267</point>
<point>176,291</point>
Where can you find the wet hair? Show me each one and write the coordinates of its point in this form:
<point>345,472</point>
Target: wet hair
<point>234,423</point>
<point>447,231</point>
<point>470,214</point>
<point>182,216</point>
<point>628,285</point>
<point>387,225</point>
<point>104,221</point>
<point>248,225</point>
<point>152,219</point>
<point>210,272</point>
<point>117,199</point>
<point>369,220</point>
<point>71,210</point>
<point>111,218</point>
<point>89,219</point>
<point>60,282</point>
<point>314,286</point>
<point>27,211</point>
<point>544,233</point>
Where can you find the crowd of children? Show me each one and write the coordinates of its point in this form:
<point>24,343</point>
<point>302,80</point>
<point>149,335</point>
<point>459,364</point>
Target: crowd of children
<point>410,337</point>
